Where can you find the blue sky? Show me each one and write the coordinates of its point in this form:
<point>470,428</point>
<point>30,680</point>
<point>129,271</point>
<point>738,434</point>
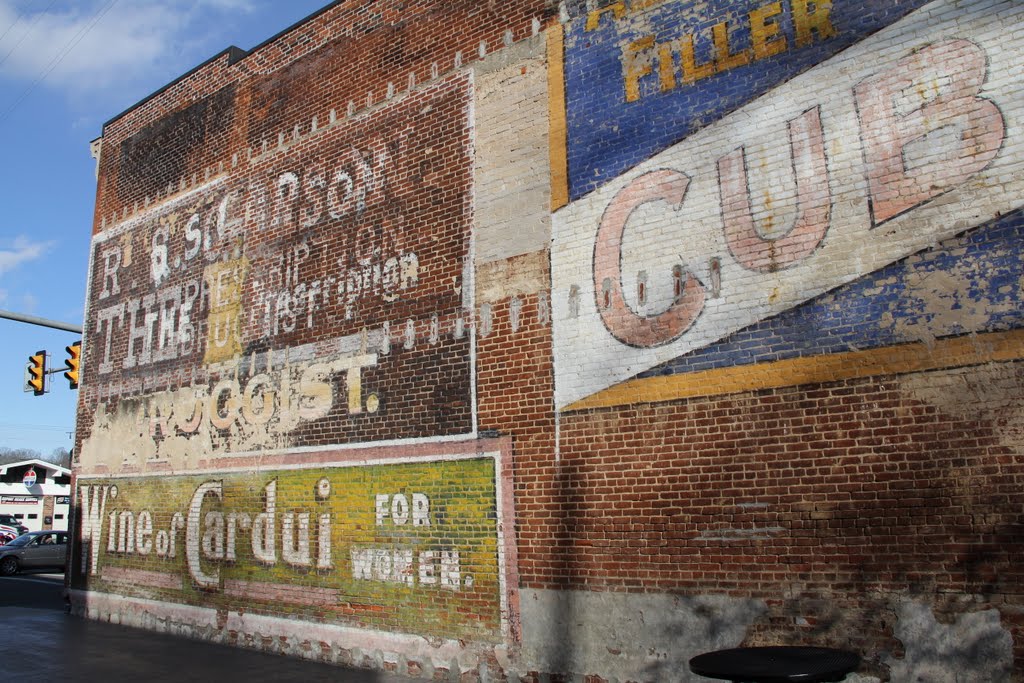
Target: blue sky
<point>66,67</point>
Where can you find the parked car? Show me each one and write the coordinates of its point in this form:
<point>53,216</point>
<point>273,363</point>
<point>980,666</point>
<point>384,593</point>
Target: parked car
<point>12,521</point>
<point>36,549</point>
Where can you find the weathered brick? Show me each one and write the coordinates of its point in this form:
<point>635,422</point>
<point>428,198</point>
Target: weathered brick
<point>557,340</point>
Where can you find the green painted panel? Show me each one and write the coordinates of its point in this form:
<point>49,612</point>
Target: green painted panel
<point>409,547</point>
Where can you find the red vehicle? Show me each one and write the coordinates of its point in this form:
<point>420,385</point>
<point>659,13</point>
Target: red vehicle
<point>12,522</point>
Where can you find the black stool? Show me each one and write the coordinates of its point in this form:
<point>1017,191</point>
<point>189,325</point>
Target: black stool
<point>781,664</point>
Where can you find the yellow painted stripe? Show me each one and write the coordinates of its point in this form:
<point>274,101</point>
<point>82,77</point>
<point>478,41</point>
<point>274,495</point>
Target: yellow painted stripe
<point>556,118</point>
<point>890,360</point>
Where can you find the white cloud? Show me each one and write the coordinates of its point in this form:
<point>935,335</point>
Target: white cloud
<point>29,303</point>
<point>21,251</point>
<point>232,5</point>
<point>91,45</point>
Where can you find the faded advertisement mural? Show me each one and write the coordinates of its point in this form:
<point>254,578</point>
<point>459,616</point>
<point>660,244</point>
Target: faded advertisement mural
<point>682,65</point>
<point>311,295</point>
<point>848,205</point>
<point>407,547</point>
<point>359,389</point>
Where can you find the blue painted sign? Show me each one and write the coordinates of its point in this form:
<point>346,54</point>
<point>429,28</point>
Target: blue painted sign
<point>641,75</point>
<point>866,212</point>
<point>894,305</point>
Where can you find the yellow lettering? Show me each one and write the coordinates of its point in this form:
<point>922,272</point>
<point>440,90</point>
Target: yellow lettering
<point>636,63</point>
<point>812,15</point>
<point>693,72</point>
<point>811,21</point>
<point>225,281</point>
<point>724,59</point>
<point>666,67</point>
<point>641,5</point>
<point>594,18</point>
<point>763,34</point>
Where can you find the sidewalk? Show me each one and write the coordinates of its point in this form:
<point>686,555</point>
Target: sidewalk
<point>42,643</point>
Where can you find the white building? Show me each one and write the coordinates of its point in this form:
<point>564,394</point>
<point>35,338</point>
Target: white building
<point>37,493</point>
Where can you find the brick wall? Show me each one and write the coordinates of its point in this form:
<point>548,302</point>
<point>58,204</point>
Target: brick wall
<point>516,340</point>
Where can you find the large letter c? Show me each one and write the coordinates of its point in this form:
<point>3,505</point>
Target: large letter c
<point>624,323</point>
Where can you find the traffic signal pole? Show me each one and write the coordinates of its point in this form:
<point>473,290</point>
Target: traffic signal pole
<point>37,370</point>
<point>42,322</point>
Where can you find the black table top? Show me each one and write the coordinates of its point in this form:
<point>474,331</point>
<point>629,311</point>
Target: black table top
<point>781,664</point>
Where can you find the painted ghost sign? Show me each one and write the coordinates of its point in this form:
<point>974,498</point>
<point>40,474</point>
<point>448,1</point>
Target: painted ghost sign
<point>307,296</point>
<point>349,545</point>
<point>644,74</point>
<point>883,151</point>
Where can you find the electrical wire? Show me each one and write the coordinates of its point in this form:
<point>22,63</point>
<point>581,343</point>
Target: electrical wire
<point>68,47</point>
<point>27,32</point>
<point>41,428</point>
<point>17,20</point>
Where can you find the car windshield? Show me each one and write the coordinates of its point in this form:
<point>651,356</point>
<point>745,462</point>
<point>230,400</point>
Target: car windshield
<point>20,541</point>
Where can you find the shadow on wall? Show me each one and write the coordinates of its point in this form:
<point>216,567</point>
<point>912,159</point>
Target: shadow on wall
<point>652,636</point>
<point>905,625</point>
<point>904,547</point>
<point>617,634</point>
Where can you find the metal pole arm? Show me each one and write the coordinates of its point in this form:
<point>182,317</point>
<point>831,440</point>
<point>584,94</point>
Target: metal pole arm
<point>42,322</point>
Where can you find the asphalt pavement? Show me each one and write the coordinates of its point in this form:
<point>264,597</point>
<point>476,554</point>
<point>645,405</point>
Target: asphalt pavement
<point>41,642</point>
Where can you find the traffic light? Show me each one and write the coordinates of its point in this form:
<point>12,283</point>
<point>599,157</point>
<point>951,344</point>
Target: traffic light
<point>36,381</point>
<point>73,363</point>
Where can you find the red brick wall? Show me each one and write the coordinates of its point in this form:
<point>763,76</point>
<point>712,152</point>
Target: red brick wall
<point>825,501</point>
<point>355,288</point>
<point>304,74</point>
<point>282,279</point>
